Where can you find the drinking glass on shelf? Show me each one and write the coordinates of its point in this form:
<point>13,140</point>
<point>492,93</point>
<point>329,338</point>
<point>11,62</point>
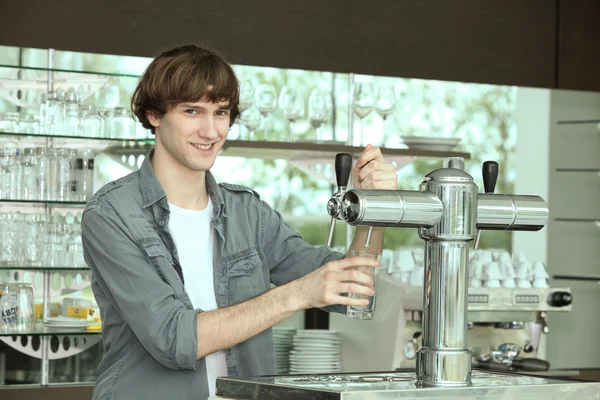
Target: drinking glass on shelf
<point>28,124</point>
<point>91,123</point>
<point>385,105</point>
<point>72,117</point>
<point>10,173</point>
<point>246,95</point>
<point>85,177</point>
<point>29,174</point>
<point>122,126</point>
<point>266,103</point>
<point>320,108</point>
<point>368,311</point>
<point>8,239</point>
<point>30,240</point>
<point>42,164</point>
<point>105,115</point>
<point>291,103</point>
<point>363,103</point>
<point>16,307</point>
<point>251,120</point>
<point>60,174</point>
<point>10,122</point>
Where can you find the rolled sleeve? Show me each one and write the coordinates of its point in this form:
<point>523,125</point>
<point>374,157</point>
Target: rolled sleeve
<point>165,327</point>
<point>289,256</point>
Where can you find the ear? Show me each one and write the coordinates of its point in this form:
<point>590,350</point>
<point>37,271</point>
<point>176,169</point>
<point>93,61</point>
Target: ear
<point>154,121</point>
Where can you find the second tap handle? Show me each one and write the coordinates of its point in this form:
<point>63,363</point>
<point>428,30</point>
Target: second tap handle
<point>343,167</point>
<point>490,175</point>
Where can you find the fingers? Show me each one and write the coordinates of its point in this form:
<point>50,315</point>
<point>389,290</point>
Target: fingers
<point>349,262</point>
<point>348,301</point>
<point>380,180</point>
<point>355,276</point>
<point>374,166</point>
<point>369,153</point>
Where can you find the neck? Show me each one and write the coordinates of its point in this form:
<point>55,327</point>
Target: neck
<point>184,188</point>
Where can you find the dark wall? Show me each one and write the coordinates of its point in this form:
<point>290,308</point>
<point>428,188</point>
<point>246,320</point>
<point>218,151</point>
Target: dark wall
<point>579,45</point>
<point>510,42</point>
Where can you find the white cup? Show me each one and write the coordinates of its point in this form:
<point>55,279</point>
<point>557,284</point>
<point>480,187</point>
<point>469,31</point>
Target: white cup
<point>404,260</point>
<point>493,283</point>
<point>523,284</point>
<point>476,270</point>
<point>540,283</point>
<point>509,283</point>
<point>475,283</point>
<point>540,271</point>
<point>492,271</point>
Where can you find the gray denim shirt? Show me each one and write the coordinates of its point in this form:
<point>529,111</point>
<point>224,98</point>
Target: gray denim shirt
<point>148,322</point>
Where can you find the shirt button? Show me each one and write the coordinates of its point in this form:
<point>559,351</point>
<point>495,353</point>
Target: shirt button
<point>161,222</point>
<point>247,266</point>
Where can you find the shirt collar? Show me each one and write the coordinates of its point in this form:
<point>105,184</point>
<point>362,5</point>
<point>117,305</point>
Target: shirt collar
<point>152,190</point>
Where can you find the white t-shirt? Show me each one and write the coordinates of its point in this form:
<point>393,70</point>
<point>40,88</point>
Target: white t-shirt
<point>193,234</point>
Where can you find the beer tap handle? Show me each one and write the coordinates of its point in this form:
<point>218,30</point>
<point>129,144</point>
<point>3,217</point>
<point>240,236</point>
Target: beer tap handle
<point>489,171</point>
<point>343,168</point>
<point>490,176</point>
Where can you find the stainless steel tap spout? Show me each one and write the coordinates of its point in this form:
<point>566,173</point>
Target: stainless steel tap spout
<point>398,208</point>
<point>511,212</point>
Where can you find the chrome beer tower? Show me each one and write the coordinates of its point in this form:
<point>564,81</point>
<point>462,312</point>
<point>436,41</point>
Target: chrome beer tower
<point>449,214</point>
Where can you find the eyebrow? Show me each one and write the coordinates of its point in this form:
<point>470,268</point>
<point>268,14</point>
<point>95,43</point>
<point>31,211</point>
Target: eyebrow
<point>227,106</point>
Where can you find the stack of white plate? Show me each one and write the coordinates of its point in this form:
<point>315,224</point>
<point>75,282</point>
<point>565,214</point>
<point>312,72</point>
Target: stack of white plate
<point>67,322</point>
<point>316,351</point>
<point>282,340</point>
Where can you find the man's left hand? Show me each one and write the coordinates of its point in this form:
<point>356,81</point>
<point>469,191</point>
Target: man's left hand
<point>372,172</point>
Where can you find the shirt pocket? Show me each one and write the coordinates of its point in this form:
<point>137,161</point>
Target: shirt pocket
<point>162,261</point>
<point>246,277</point>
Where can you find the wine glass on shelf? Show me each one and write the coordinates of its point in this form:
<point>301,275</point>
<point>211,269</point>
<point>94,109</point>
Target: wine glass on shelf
<point>250,119</point>
<point>291,103</point>
<point>320,108</point>
<point>266,103</point>
<point>363,103</point>
<point>246,98</point>
<point>385,105</point>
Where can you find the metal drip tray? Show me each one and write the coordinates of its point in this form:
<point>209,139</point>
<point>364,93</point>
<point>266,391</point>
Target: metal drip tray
<point>401,385</point>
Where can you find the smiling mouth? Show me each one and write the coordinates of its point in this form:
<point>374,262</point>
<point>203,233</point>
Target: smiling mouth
<point>202,146</point>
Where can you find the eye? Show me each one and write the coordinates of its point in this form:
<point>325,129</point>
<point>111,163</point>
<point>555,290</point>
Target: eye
<point>190,111</point>
<point>223,113</point>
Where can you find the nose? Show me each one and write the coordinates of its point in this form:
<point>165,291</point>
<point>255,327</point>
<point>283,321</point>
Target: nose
<point>207,128</point>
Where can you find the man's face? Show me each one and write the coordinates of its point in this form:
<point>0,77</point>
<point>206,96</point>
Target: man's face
<point>193,133</point>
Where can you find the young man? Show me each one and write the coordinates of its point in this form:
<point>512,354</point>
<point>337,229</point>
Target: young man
<point>182,265</point>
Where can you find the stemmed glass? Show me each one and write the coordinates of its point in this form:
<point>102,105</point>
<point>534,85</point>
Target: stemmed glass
<point>251,120</point>
<point>385,105</point>
<point>320,108</point>
<point>246,98</point>
<point>291,103</point>
<point>266,102</point>
<point>364,102</point>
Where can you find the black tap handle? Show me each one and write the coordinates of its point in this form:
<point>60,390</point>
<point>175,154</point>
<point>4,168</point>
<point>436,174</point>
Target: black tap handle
<point>343,167</point>
<point>490,175</point>
<point>560,299</point>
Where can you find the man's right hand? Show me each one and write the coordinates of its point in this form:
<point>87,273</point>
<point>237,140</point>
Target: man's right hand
<point>323,287</point>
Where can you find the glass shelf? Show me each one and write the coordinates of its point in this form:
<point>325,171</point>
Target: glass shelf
<point>45,202</point>
<point>41,268</point>
<point>43,330</point>
<point>73,142</point>
<point>68,71</point>
<point>46,136</point>
<point>239,148</point>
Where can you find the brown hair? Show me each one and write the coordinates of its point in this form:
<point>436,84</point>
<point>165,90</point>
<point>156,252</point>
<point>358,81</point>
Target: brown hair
<point>185,74</point>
